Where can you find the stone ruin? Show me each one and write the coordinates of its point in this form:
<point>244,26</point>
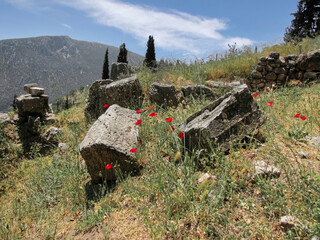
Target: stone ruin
<point>276,71</point>
<point>33,104</point>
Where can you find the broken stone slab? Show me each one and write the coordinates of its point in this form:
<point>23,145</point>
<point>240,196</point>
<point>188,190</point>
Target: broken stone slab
<point>109,141</point>
<point>225,121</point>
<point>309,61</point>
<point>36,91</point>
<point>262,169</point>
<point>217,84</point>
<point>126,93</point>
<point>118,70</point>
<point>198,92</point>
<point>164,95</point>
<point>27,87</point>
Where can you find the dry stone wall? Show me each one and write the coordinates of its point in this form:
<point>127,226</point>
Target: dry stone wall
<point>275,71</point>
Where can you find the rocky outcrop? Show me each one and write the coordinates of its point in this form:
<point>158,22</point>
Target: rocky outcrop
<point>275,71</point>
<point>126,93</point>
<point>109,141</point>
<point>164,95</point>
<point>118,70</point>
<point>223,122</point>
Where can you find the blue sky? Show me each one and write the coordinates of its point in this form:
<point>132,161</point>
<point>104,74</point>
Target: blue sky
<point>181,28</point>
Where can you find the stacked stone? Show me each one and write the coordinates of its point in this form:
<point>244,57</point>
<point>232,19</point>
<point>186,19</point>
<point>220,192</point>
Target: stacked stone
<point>270,72</point>
<point>35,103</point>
<point>274,71</point>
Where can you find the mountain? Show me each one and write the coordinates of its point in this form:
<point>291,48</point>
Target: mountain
<point>57,63</point>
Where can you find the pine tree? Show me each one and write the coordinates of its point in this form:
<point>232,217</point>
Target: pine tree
<point>105,70</point>
<point>306,22</point>
<point>150,59</point>
<point>122,57</point>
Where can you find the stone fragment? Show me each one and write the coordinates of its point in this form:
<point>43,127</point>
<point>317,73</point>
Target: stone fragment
<point>118,70</point>
<point>309,61</point>
<point>256,74</point>
<point>281,77</point>
<point>259,68</point>
<point>52,135</point>
<point>271,76</point>
<point>126,93</point>
<point>311,76</point>
<point>262,169</point>
<point>62,147</point>
<point>164,95</point>
<point>32,106</point>
<point>27,87</point>
<point>303,154</point>
<point>109,141</point>
<point>269,68</point>
<point>274,55</point>
<point>36,91</point>
<point>4,118</point>
<point>288,222</point>
<point>224,121</point>
<point>206,177</point>
<point>313,141</point>
<point>280,70</point>
<point>218,84</point>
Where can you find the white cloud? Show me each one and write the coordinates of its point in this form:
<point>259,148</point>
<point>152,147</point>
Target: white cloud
<point>172,30</point>
<point>66,25</point>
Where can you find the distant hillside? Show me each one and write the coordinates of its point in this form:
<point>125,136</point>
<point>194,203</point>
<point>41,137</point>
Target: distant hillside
<point>57,63</point>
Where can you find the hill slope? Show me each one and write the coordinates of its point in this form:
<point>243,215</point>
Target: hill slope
<point>57,63</point>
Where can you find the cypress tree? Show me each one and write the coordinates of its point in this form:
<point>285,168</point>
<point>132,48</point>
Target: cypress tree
<point>122,57</point>
<point>105,70</point>
<point>306,22</point>
<point>150,59</point>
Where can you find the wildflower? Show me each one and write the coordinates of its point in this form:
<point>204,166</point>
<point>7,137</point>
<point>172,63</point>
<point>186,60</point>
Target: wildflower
<point>76,215</point>
<point>106,105</point>
<point>152,107</point>
<point>181,135</point>
<point>255,95</point>
<point>172,127</point>
<point>297,115</point>
<point>303,118</point>
<point>109,166</point>
<point>140,141</point>
<point>133,150</point>
<point>169,119</point>
<point>138,122</point>
<point>153,114</point>
<point>138,111</point>
<point>269,103</point>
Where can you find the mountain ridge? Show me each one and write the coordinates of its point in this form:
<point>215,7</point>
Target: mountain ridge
<point>57,63</point>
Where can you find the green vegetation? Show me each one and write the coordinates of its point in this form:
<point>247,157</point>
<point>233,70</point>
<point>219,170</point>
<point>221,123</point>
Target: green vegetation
<point>123,52</point>
<point>150,59</point>
<point>105,70</point>
<point>50,197</point>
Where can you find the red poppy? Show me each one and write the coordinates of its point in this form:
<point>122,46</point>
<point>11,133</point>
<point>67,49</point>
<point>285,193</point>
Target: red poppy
<point>77,215</point>
<point>269,103</point>
<point>172,127</point>
<point>153,114</point>
<point>303,118</point>
<point>106,105</point>
<point>255,95</point>
<point>152,107</point>
<point>297,115</point>
<point>181,135</point>
<point>169,119</point>
<point>138,111</point>
<point>109,166</point>
<point>133,150</point>
<point>138,122</point>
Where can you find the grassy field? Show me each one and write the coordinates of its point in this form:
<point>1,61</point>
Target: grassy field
<point>51,197</point>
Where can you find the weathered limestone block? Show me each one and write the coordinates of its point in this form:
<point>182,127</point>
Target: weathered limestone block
<point>109,141</point>
<point>32,106</point>
<point>164,95</point>
<point>224,121</point>
<point>36,91</point>
<point>118,69</point>
<point>27,87</point>
<point>309,61</point>
<point>271,76</point>
<point>126,93</point>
